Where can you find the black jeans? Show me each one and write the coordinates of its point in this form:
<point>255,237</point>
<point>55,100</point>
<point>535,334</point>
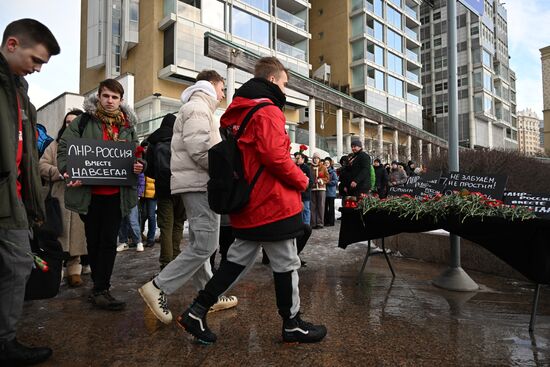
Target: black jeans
<point>329,211</point>
<point>101,225</point>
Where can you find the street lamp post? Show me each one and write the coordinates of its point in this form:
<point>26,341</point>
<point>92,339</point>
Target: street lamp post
<point>454,277</point>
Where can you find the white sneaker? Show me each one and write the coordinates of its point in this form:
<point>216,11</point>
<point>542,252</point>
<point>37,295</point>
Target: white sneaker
<point>157,302</point>
<point>122,247</point>
<point>86,269</point>
<point>224,302</point>
<point>139,247</point>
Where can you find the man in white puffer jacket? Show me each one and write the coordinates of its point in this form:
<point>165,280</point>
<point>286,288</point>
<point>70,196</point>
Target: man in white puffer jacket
<point>195,132</point>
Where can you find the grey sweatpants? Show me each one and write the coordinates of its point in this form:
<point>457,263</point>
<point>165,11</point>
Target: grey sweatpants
<point>283,258</point>
<point>15,268</point>
<point>194,261</point>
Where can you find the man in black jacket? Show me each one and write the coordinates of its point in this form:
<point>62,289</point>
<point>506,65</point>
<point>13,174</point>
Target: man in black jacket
<point>359,170</point>
<point>170,210</point>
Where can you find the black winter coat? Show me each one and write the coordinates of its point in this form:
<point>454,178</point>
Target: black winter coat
<point>359,172</point>
<point>158,158</point>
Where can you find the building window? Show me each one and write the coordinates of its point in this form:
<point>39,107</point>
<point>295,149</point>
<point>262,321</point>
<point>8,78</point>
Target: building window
<point>260,4</point>
<point>396,2</point>
<point>375,78</point>
<point>168,52</point>
<point>395,41</point>
<point>395,63</point>
<point>437,15</point>
<point>395,86</point>
<point>487,59</point>
<point>379,55</point>
<point>437,41</point>
<point>394,17</point>
<point>357,26</point>
<point>249,27</point>
<point>378,31</point>
<point>379,8</point>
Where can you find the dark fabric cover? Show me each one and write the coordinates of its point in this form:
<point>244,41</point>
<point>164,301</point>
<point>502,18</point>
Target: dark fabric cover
<point>43,285</point>
<point>524,245</point>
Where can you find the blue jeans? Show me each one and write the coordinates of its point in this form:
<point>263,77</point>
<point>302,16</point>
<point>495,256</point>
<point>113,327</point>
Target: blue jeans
<point>129,227</point>
<point>147,213</point>
<point>306,212</point>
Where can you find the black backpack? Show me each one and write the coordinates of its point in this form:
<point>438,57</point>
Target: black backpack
<point>228,190</point>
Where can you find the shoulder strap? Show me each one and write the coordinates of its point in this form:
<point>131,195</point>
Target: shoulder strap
<point>248,117</point>
<point>82,122</point>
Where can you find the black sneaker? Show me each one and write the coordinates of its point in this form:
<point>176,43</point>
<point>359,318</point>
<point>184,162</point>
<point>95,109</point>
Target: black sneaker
<point>106,301</point>
<point>13,353</point>
<point>298,331</point>
<point>193,320</point>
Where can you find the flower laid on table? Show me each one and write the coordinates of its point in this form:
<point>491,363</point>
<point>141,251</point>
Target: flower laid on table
<point>464,204</point>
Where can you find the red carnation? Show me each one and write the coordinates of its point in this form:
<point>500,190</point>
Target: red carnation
<point>139,152</point>
<point>303,148</point>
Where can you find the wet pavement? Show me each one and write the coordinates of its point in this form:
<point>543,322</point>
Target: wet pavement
<point>376,322</point>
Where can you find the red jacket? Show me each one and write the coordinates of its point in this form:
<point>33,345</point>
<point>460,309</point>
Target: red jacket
<point>276,195</point>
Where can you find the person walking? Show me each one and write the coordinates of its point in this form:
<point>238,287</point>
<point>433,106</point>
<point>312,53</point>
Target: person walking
<point>170,209</point>
<point>26,46</point>
<point>195,132</point>
<point>101,207</point>
<point>72,239</point>
<point>272,219</point>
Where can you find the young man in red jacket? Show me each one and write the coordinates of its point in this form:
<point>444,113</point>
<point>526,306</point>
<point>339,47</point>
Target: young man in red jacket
<point>273,217</point>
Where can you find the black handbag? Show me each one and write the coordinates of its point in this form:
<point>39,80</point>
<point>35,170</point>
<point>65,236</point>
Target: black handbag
<point>53,225</point>
<point>45,284</point>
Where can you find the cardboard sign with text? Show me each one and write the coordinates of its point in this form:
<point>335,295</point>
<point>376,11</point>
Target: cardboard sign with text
<point>539,203</point>
<point>490,185</point>
<point>98,162</point>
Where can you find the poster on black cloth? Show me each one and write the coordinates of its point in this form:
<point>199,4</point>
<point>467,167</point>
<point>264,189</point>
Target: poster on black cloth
<point>419,190</point>
<point>490,185</point>
<point>539,203</point>
<point>98,162</point>
<point>431,177</point>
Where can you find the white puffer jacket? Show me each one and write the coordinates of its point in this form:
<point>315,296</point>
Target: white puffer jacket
<point>195,131</point>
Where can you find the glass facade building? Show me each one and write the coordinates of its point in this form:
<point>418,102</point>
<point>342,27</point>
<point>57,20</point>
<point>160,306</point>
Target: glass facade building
<point>486,84</point>
<point>385,68</point>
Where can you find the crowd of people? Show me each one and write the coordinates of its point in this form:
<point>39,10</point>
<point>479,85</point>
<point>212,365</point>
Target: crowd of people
<point>293,194</point>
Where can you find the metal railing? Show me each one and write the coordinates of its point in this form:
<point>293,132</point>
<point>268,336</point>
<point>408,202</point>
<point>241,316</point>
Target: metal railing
<point>412,76</point>
<point>412,34</point>
<point>411,55</point>
<point>291,50</point>
<point>291,19</point>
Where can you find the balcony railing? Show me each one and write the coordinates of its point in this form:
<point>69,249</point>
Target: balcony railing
<point>409,32</point>
<point>412,76</point>
<point>411,12</point>
<point>370,56</point>
<point>411,55</point>
<point>291,18</point>
<point>413,98</point>
<point>361,5</point>
<point>291,50</point>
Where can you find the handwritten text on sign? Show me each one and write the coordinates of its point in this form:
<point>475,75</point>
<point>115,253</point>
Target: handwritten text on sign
<point>490,185</point>
<point>97,162</point>
<point>539,203</point>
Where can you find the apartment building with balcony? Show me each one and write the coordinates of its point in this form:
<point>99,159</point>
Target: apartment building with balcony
<point>373,50</point>
<point>529,133</point>
<point>156,48</point>
<point>486,84</point>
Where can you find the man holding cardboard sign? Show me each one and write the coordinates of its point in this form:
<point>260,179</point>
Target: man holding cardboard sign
<point>101,206</point>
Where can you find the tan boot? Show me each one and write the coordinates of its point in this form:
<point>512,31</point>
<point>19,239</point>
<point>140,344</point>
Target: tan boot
<point>74,280</point>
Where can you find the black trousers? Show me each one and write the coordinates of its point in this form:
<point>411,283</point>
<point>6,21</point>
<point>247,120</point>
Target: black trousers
<point>101,225</point>
<point>329,211</point>
<point>226,240</point>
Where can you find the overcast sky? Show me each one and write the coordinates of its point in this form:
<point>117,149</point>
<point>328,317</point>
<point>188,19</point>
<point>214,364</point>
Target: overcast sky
<point>528,31</point>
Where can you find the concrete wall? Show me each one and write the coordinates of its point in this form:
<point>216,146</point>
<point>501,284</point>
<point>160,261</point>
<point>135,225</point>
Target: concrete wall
<point>51,114</point>
<point>545,58</point>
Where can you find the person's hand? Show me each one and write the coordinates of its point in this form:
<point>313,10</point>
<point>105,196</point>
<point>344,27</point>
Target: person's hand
<point>353,184</point>
<point>138,168</point>
<point>76,183</point>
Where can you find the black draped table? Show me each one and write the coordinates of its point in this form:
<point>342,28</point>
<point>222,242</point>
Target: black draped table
<point>524,245</point>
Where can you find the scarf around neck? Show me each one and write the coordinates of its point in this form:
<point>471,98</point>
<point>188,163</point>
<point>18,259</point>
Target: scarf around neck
<point>110,119</point>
